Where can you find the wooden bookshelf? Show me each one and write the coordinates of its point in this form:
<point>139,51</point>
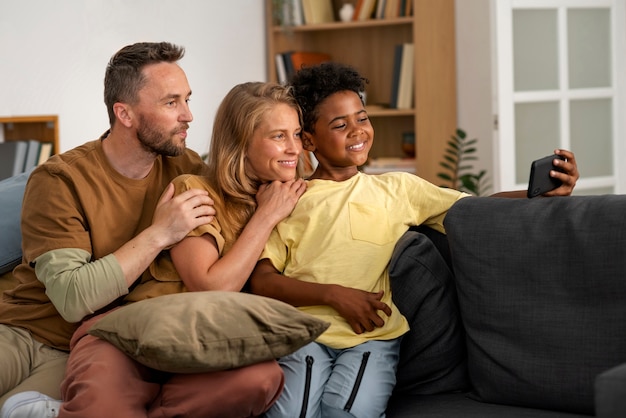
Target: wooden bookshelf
<point>43,128</point>
<point>369,47</point>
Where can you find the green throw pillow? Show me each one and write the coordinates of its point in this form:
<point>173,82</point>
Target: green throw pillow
<point>207,331</point>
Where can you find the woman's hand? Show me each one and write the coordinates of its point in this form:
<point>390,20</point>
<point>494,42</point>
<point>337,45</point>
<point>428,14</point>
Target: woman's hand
<point>277,199</point>
<point>568,177</point>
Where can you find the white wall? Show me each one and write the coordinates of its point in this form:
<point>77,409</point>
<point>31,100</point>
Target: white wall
<point>54,54</point>
<point>475,93</point>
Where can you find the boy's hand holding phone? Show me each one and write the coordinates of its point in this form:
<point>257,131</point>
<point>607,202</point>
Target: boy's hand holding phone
<point>540,181</point>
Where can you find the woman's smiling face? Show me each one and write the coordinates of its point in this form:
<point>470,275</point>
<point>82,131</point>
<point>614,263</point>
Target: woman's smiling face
<point>275,146</point>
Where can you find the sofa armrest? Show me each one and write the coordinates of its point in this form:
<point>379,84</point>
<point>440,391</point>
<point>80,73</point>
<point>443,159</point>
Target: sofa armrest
<point>432,355</point>
<point>610,392</point>
<point>540,284</point>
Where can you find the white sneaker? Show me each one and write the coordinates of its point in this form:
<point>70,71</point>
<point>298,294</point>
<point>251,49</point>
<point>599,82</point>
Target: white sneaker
<point>30,404</point>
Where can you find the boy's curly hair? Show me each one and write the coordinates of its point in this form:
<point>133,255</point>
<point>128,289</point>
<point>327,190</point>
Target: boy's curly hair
<point>311,85</point>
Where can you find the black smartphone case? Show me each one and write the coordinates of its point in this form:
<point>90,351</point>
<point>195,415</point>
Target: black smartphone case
<point>540,181</point>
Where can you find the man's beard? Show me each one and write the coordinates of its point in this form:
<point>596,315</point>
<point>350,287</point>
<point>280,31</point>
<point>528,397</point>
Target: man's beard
<point>159,142</point>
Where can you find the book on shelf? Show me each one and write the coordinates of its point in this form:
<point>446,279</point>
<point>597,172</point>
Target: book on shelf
<point>408,8</point>
<point>32,154</point>
<point>12,158</point>
<point>289,67</point>
<point>45,151</point>
<point>402,7</point>
<point>281,71</point>
<point>357,9</point>
<point>395,78</point>
<point>391,8</point>
<point>403,77</point>
<point>318,11</point>
<point>407,77</point>
<point>380,9</point>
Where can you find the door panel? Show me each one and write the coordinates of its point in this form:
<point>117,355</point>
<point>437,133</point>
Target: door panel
<point>535,50</point>
<point>536,128</point>
<point>557,88</point>
<point>591,136</point>
<point>589,48</point>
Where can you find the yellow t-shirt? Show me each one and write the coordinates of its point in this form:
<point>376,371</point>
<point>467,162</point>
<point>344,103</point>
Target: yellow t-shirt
<point>345,232</point>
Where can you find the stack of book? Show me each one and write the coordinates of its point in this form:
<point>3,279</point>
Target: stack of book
<point>308,12</point>
<point>20,156</point>
<point>387,164</point>
<point>287,63</point>
<point>393,8</point>
<point>365,9</point>
<point>403,82</point>
<point>384,9</point>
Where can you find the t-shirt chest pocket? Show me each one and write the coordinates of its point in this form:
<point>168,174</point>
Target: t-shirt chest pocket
<point>369,223</point>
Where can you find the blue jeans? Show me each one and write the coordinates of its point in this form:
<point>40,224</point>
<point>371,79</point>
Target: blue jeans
<point>324,382</point>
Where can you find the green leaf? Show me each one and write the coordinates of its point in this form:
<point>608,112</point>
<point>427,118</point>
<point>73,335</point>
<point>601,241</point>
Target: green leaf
<point>446,165</point>
<point>453,145</point>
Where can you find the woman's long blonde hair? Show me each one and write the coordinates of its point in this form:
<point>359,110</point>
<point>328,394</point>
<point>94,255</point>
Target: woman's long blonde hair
<point>239,114</point>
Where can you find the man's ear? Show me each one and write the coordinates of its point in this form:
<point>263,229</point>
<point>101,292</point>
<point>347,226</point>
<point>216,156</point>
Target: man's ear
<point>307,141</point>
<point>123,114</point>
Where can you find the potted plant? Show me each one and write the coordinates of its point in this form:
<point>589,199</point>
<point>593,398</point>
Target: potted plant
<point>458,172</point>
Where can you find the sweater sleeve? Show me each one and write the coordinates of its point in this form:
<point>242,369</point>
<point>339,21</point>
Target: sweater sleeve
<point>77,286</point>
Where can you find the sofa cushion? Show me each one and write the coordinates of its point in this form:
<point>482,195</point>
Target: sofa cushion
<point>610,393</point>
<point>11,195</point>
<point>432,356</point>
<point>458,405</point>
<point>207,331</point>
<point>541,291</point>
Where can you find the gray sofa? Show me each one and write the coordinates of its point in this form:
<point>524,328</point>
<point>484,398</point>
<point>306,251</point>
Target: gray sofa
<point>520,311</point>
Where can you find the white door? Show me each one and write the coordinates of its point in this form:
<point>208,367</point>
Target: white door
<point>560,84</point>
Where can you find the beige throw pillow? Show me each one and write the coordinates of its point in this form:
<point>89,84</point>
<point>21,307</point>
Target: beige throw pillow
<point>207,331</point>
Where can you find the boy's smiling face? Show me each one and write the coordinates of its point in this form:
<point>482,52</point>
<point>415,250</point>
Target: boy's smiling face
<point>343,136</point>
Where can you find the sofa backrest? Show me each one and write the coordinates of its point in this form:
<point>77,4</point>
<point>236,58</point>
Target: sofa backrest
<point>11,195</point>
<point>542,294</point>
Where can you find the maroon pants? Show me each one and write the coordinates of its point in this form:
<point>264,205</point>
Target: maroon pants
<point>101,381</point>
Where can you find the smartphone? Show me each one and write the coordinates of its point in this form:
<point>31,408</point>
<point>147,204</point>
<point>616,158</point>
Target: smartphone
<point>540,181</point>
